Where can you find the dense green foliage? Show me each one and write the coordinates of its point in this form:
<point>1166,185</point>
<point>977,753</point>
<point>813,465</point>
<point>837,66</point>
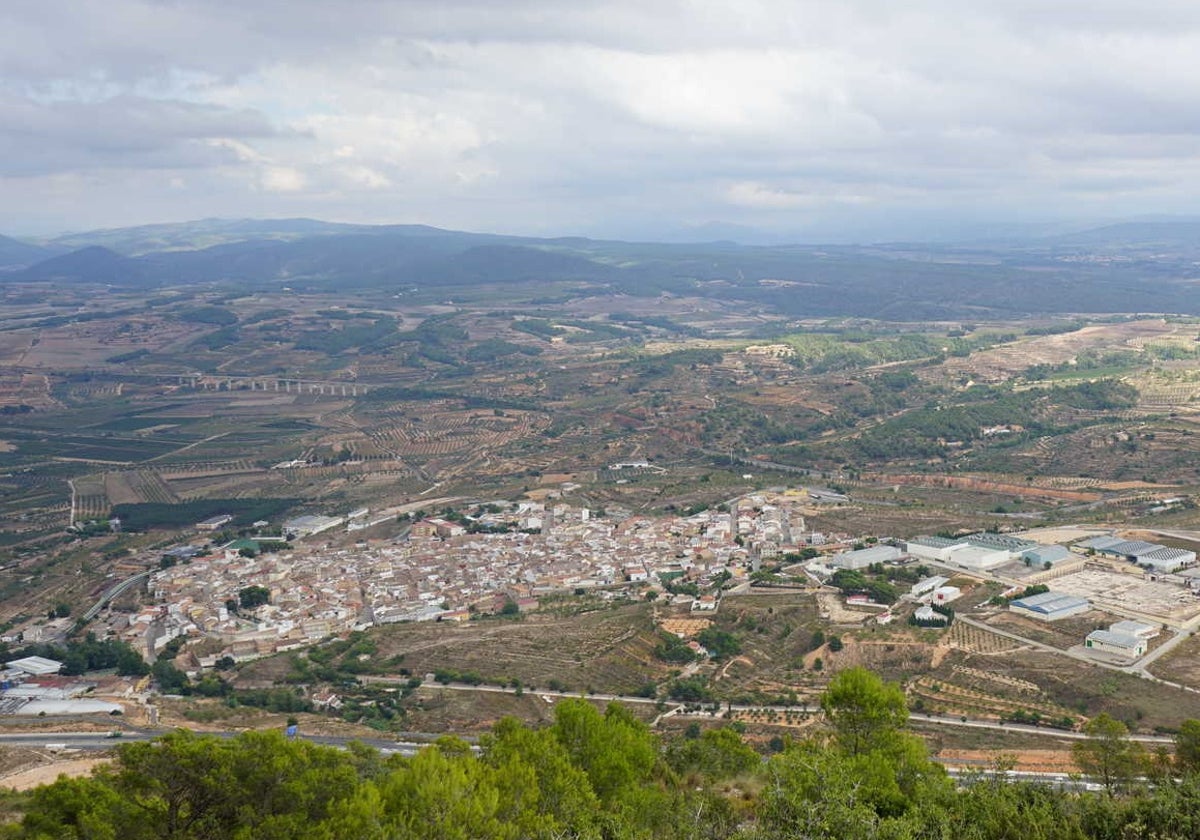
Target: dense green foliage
<point>131,356</point>
<point>491,349</point>
<point>90,654</point>
<point>539,327</point>
<point>720,644</point>
<point>601,775</point>
<point>215,315</point>
<point>393,394</point>
<point>350,335</point>
<point>141,516</point>
<point>851,582</point>
<point>673,649</point>
<point>250,597</point>
<point>848,349</point>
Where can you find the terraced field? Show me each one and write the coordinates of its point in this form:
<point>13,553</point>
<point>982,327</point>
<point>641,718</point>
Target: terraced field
<point>974,694</point>
<point>972,639</point>
<point>611,648</point>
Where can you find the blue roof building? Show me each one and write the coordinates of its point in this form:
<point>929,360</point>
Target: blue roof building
<point>1050,606</point>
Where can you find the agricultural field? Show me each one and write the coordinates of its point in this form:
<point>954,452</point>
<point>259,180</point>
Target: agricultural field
<point>602,648</point>
<point>606,393</point>
<point>1180,665</point>
<point>1004,363</point>
<point>965,671</point>
<point>1062,634</point>
<point>375,398</point>
<point>1089,689</point>
<point>982,695</point>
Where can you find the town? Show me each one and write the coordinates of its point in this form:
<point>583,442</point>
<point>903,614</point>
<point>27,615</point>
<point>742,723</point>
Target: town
<point>254,597</point>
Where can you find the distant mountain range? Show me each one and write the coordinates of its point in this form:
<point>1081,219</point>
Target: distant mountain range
<point>15,253</point>
<point>1140,266</point>
<point>1173,235</point>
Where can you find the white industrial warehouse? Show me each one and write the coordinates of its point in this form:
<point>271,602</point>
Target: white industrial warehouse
<point>1151,556</point>
<point>1050,606</point>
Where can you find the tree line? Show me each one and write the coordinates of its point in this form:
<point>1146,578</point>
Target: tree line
<point>606,776</point>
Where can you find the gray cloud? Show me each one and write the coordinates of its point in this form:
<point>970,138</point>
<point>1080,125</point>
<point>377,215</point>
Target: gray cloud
<point>41,138</point>
<point>625,116</point>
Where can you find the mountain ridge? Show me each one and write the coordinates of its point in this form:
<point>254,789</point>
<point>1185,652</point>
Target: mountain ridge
<point>915,281</point>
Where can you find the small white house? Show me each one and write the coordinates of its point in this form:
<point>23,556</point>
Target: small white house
<point>1135,628</point>
<point>923,587</point>
<point>705,603</point>
<point>945,594</point>
<point>214,523</point>
<point>1119,644</point>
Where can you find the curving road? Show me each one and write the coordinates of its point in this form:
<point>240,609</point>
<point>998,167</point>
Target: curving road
<point>115,591</point>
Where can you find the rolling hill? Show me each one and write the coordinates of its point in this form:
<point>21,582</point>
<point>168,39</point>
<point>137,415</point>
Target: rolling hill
<point>894,283</point>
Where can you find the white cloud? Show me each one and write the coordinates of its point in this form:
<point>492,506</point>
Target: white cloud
<point>760,196</point>
<point>528,114</point>
<point>282,179</point>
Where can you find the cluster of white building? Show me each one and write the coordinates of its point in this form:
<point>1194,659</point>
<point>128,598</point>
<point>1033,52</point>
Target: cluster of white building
<point>443,572</point>
<point>32,686</point>
<point>1150,556</point>
<point>986,551</point>
<point>1126,639</point>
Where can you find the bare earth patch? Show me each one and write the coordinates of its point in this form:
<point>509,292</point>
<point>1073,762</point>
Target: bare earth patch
<point>1039,761</point>
<point>37,776</point>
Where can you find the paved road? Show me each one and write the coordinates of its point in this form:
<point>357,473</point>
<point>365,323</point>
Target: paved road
<point>680,710</point>
<point>1027,729</point>
<point>1137,669</point>
<point>1146,661</point>
<point>94,741</point>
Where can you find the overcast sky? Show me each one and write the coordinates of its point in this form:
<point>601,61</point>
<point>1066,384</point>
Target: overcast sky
<point>837,119</point>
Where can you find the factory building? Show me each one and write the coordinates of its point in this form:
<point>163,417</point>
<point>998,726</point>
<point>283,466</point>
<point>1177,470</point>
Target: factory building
<point>934,548</point>
<point>1039,555</point>
<point>1135,628</point>
<point>1151,556</point>
<point>306,526</point>
<point>960,552</point>
<point>214,523</point>
<point>1050,606</point>
<point>927,585</point>
<point>977,558</point>
<point>1119,644</point>
<point>35,666</point>
<point>864,557</point>
<point>1167,560</point>
<point>999,542</point>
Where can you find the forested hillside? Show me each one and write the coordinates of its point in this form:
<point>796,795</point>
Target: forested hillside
<point>605,775</point>
<point>899,283</point>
